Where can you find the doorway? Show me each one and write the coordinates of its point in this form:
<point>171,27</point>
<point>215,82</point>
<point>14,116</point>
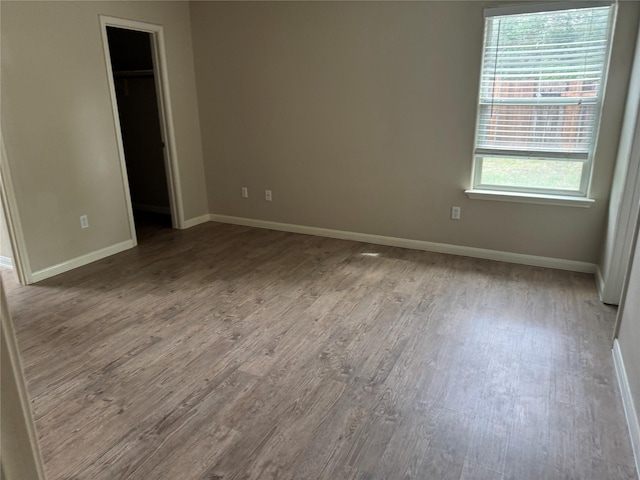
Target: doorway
<point>134,54</point>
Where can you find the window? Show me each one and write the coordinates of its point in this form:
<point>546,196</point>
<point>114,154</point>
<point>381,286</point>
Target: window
<point>540,95</point>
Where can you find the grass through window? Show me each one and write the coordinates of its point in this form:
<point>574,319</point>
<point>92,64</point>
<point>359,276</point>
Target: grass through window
<point>532,173</point>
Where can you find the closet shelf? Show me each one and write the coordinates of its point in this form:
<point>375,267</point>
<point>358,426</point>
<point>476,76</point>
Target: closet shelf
<point>133,73</point>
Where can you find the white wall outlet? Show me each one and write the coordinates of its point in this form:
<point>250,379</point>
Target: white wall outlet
<point>267,195</point>
<point>84,221</point>
<point>455,213</point>
<point>245,192</point>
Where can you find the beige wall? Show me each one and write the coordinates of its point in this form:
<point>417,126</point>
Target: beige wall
<point>360,116</point>
<point>58,126</point>
<point>629,332</point>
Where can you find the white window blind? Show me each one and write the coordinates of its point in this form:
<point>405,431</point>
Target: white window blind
<point>541,84</point>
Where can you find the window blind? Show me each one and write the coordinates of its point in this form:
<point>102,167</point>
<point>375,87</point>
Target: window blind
<point>541,83</point>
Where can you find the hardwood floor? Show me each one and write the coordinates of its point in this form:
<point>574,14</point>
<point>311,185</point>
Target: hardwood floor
<point>224,352</point>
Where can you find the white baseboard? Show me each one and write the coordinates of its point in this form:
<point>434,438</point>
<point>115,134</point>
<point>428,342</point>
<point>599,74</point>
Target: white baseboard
<point>6,262</point>
<point>192,222</point>
<point>508,257</point>
<point>627,400</point>
<point>80,261</point>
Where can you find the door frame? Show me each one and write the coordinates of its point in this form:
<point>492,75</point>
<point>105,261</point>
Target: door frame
<point>20,258</point>
<point>625,195</point>
<point>625,288</point>
<point>158,52</point>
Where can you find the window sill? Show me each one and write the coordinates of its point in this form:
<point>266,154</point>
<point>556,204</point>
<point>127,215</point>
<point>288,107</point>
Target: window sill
<point>540,199</point>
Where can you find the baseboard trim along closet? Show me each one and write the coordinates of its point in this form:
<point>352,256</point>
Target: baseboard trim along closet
<point>627,401</point>
<point>600,283</point>
<point>192,222</point>
<point>519,258</point>
<point>81,260</point>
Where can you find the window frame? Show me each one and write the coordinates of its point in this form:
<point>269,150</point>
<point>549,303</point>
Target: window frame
<point>478,189</point>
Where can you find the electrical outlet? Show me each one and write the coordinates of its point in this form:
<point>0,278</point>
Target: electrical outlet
<point>84,221</point>
<point>245,192</point>
<point>455,213</point>
<point>267,195</point>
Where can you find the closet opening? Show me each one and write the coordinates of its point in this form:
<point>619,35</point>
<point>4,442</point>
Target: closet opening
<point>139,112</point>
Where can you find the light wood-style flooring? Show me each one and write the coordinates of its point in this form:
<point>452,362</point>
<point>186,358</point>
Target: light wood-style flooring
<point>225,352</point>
